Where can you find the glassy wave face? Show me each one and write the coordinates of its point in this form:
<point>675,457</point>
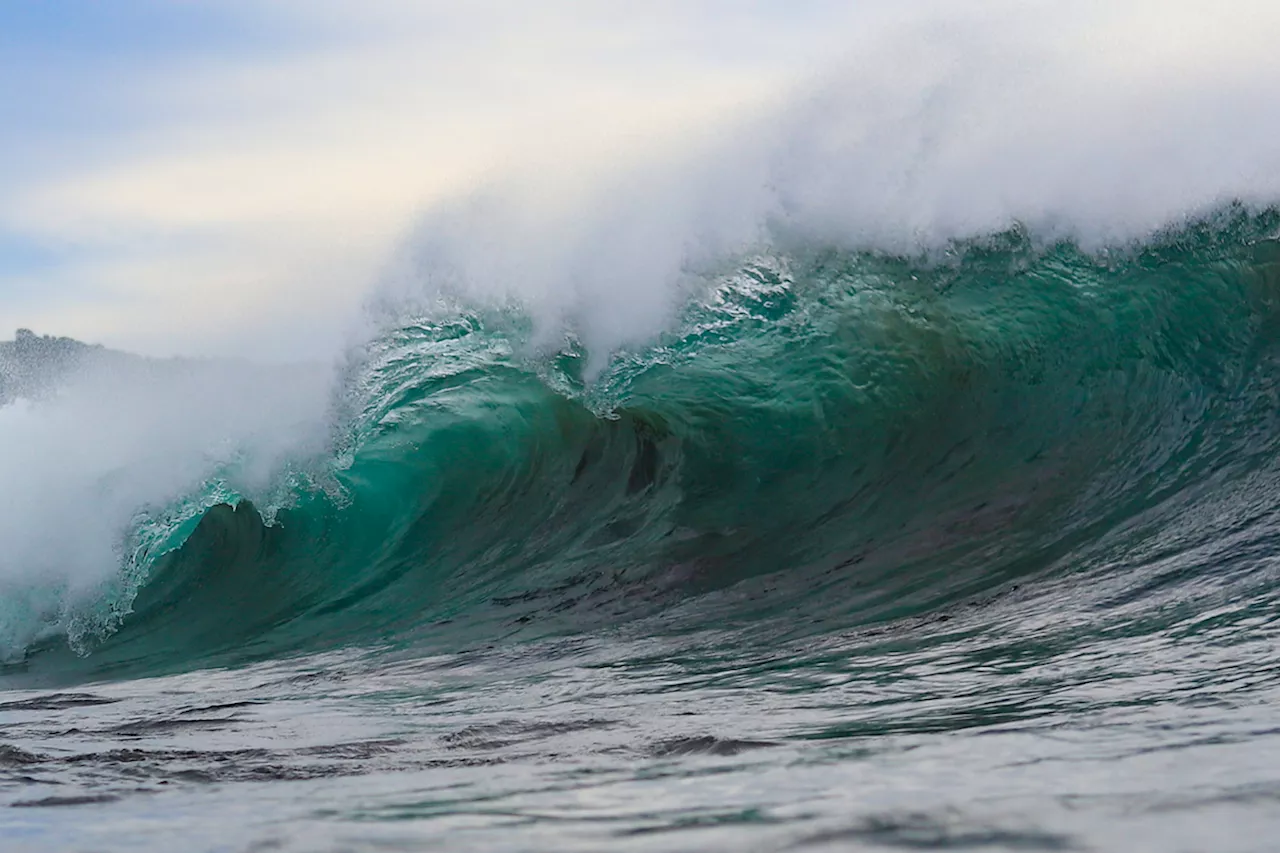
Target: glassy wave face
<point>822,440</point>
<point>968,551</point>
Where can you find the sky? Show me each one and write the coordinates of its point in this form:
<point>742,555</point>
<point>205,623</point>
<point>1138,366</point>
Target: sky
<point>212,178</point>
<point>233,177</point>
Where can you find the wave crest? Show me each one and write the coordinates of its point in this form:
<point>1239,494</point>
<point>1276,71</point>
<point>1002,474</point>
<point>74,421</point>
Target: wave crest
<point>853,436</point>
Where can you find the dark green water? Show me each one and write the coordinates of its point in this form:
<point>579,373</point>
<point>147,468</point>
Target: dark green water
<point>975,552</point>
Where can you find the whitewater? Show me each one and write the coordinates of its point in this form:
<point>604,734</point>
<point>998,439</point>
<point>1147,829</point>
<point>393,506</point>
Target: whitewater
<point>893,467</point>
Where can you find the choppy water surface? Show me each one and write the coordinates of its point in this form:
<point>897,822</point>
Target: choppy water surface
<point>1014,726</point>
<point>976,552</point>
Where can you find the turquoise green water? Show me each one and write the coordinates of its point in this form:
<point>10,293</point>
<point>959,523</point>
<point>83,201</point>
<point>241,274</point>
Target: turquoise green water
<point>973,551</point>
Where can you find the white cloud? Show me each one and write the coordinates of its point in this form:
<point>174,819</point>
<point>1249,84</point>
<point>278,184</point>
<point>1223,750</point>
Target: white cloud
<point>240,187</point>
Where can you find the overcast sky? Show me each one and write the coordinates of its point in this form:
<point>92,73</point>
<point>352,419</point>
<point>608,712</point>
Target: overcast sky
<point>230,176</point>
<point>212,177</point>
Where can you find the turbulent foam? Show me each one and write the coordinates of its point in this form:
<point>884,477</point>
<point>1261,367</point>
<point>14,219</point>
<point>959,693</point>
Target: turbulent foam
<point>850,436</point>
<point>116,463</point>
<point>1091,122</point>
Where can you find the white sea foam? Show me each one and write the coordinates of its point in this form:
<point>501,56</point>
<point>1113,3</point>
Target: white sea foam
<point>1096,122</point>
<point>117,441</point>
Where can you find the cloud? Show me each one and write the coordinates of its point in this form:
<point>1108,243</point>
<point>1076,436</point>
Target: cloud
<point>212,177</point>
<point>246,174</point>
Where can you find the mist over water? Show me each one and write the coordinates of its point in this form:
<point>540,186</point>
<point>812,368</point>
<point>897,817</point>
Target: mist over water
<point>112,464</point>
<point>1099,127</point>
<point>890,467</point>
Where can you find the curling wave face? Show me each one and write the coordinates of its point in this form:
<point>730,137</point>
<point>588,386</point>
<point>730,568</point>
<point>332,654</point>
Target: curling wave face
<point>823,439</point>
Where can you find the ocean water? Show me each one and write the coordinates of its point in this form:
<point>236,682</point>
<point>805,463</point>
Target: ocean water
<point>977,550</point>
